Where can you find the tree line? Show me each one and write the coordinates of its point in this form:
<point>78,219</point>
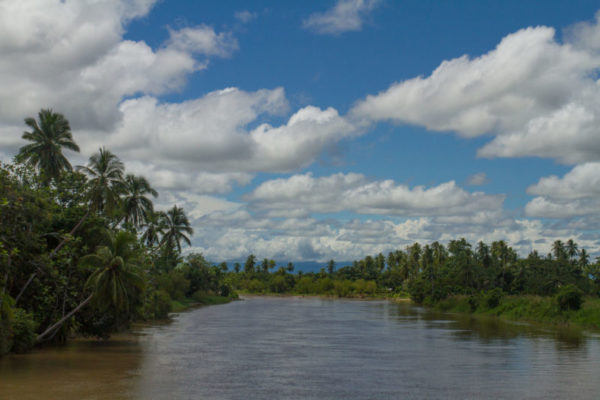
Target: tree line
<point>433,272</point>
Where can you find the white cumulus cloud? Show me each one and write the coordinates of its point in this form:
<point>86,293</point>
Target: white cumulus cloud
<point>71,56</point>
<point>535,95</point>
<point>305,194</point>
<point>577,193</point>
<point>346,15</point>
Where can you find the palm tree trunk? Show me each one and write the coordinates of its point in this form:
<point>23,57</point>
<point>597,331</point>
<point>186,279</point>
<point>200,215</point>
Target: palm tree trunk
<point>52,254</point>
<point>63,319</point>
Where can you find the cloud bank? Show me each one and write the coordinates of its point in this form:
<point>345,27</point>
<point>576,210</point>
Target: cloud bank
<point>534,95</point>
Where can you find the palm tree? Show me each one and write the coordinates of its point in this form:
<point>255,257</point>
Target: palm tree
<point>136,205</point>
<point>558,249</point>
<point>571,248</point>
<point>177,225</point>
<point>105,171</point>
<point>49,137</point>
<point>584,258</point>
<point>155,228</point>
<point>114,278</point>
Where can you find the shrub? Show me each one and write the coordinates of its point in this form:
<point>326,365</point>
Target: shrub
<point>304,285</point>
<point>23,331</point>
<point>493,297</point>
<point>417,290</point>
<point>370,288</point>
<point>279,284</point>
<point>473,302</point>
<point>342,288</point>
<point>160,305</point>
<point>225,290</point>
<point>174,283</point>
<point>569,298</point>
<point>255,286</point>
<point>199,296</point>
<point>324,285</point>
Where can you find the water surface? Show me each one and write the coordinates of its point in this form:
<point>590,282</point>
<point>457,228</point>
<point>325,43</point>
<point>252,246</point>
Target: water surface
<point>309,348</point>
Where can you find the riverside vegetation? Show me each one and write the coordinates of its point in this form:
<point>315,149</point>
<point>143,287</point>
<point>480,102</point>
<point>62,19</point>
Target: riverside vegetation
<point>83,252</point>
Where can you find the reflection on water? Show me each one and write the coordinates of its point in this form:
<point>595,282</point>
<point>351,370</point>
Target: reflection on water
<point>265,348</point>
<point>83,369</point>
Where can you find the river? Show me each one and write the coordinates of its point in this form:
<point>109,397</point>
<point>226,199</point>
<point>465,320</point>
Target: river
<point>311,348</point>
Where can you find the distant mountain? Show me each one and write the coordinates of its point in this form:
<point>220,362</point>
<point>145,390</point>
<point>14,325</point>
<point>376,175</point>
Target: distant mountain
<point>304,266</point>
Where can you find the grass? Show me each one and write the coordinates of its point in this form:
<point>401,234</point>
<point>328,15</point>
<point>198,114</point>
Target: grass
<point>529,308</point>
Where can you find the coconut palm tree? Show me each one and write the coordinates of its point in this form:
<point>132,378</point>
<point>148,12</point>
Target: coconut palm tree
<point>558,250</point>
<point>114,277</point>
<point>49,137</point>
<point>105,172</point>
<point>155,226</point>
<point>176,227</point>
<point>137,207</point>
<point>584,258</point>
<point>571,249</point>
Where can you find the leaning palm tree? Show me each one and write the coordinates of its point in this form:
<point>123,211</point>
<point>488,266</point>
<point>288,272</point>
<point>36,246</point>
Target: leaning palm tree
<point>105,172</point>
<point>137,207</point>
<point>49,137</point>
<point>114,277</point>
<point>177,225</point>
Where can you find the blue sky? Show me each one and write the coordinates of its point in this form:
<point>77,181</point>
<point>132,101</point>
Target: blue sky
<point>312,130</point>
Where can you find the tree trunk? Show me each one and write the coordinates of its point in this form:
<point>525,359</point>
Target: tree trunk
<point>61,244</point>
<point>63,319</point>
<point>5,282</point>
<point>54,252</point>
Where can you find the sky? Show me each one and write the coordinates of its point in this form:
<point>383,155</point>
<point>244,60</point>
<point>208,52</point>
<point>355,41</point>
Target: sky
<point>317,130</point>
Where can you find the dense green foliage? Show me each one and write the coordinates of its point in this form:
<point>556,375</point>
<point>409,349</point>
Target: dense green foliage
<point>569,298</point>
<point>83,252</point>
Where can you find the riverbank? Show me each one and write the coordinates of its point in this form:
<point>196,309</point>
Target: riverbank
<point>526,308</point>
<point>208,300</point>
<point>523,308</point>
<point>397,297</point>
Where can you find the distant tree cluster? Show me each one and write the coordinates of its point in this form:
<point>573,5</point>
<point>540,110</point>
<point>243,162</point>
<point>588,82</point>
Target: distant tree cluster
<point>433,272</point>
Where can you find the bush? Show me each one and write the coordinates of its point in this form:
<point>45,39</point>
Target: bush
<point>225,290</point>
<point>23,331</point>
<point>279,284</point>
<point>417,290</point>
<point>493,297</point>
<point>342,288</point>
<point>324,285</point>
<point>160,305</point>
<point>304,285</point>
<point>174,283</point>
<point>569,298</point>
<point>199,296</point>
<point>255,286</point>
<point>473,302</point>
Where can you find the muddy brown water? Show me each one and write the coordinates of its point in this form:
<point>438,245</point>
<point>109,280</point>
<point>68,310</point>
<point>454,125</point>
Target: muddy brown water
<point>310,348</point>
